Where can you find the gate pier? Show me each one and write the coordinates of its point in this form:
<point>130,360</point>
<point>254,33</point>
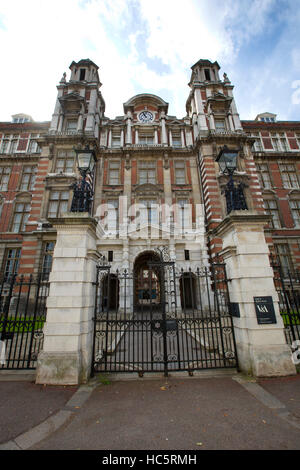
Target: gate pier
<point>259,332</point>
<point>67,354</point>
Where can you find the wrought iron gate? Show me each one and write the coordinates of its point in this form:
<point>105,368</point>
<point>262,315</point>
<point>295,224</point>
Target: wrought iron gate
<point>22,317</point>
<point>287,284</point>
<point>162,319</point>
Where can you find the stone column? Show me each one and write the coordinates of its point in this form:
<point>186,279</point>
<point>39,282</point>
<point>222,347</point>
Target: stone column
<point>67,353</point>
<point>261,348</point>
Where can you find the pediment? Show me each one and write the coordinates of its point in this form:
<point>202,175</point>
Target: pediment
<point>147,188</point>
<point>71,101</point>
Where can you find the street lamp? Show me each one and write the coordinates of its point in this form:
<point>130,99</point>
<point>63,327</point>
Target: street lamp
<point>82,189</point>
<point>235,199</point>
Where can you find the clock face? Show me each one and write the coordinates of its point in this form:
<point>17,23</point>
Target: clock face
<point>146,116</point>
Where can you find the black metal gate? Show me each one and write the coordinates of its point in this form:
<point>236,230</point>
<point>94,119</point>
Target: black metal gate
<point>162,319</point>
<point>22,317</point>
<point>287,284</point>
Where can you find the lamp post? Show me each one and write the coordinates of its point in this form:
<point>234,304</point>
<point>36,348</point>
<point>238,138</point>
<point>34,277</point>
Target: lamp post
<point>235,199</point>
<point>82,189</point>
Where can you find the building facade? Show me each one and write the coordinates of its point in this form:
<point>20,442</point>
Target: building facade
<point>157,182</point>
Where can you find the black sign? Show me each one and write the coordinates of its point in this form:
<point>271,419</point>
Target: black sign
<point>265,312</point>
<point>235,309</point>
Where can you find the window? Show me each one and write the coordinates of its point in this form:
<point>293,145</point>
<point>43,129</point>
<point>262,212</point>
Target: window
<point>116,139</point>
<point>148,212</point>
<point>58,203</point>
<point>110,256</point>
<point>220,125</point>
<point>186,255</point>
<point>279,141</point>
<point>13,146</point>
<point>114,170</point>
<point>48,249</point>
<point>4,146</point>
<point>4,177</point>
<point>263,175</point>
<point>183,210</point>
<point>82,74</point>
<point>283,253</point>
<point>176,140</point>
<point>147,172</point>
<point>11,264</point>
<point>112,215</point>
<point>207,74</point>
<point>21,215</point>
<point>71,126</point>
<point>295,209</point>
<point>179,171</point>
<point>146,139</point>
<point>33,146</point>
<point>271,208</point>
<point>28,178</point>
<point>289,176</point>
<point>257,146</point>
<point>65,161</point>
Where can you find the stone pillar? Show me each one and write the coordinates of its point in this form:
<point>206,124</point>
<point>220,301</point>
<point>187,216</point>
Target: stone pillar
<point>66,356</point>
<point>261,348</point>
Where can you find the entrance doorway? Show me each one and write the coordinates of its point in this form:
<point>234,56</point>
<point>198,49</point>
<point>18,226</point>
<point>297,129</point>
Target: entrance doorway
<point>147,282</point>
<point>188,289</point>
<point>110,292</point>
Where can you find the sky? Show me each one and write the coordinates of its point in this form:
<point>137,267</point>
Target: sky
<point>149,46</point>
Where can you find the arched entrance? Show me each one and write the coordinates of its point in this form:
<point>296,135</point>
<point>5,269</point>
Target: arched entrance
<point>147,282</point>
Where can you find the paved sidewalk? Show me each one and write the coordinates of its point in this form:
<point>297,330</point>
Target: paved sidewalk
<point>189,413</point>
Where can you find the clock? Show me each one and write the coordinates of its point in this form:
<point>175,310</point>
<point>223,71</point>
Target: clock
<point>146,116</point>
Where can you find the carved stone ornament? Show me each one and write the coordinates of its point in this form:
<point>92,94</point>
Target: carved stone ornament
<point>127,161</point>
<point>166,161</point>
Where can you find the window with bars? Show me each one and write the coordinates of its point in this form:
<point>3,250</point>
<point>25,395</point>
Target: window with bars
<point>65,161</point>
<point>48,249</point>
<point>263,175</point>
<point>147,172</point>
<point>284,255</point>
<point>289,176</point>
<point>295,209</point>
<point>28,178</point>
<point>114,173</point>
<point>179,167</point>
<point>4,177</point>
<point>272,209</point>
<point>21,214</point>
<point>11,262</point>
<point>58,203</point>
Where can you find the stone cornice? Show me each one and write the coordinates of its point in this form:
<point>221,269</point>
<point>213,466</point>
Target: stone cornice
<point>70,220</point>
<point>237,218</point>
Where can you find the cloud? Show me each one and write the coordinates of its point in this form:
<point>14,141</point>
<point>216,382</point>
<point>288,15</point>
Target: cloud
<point>148,46</point>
